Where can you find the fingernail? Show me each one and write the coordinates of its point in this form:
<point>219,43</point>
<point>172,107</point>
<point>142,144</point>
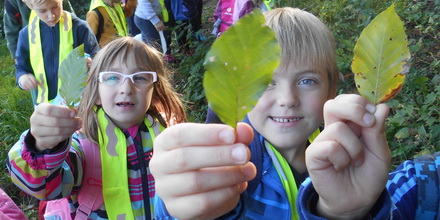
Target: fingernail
<point>370,108</point>
<point>71,114</point>
<point>368,119</point>
<point>227,136</point>
<point>239,154</point>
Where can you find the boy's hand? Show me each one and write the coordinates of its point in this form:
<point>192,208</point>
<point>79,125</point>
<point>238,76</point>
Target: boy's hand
<point>201,169</point>
<point>28,82</point>
<point>349,161</point>
<point>160,26</point>
<point>51,124</point>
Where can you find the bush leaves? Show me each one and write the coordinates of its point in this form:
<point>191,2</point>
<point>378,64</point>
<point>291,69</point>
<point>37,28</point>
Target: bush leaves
<point>239,67</point>
<point>380,57</point>
<point>73,75</point>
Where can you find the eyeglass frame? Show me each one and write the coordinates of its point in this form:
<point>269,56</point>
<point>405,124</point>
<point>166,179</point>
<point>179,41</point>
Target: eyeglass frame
<point>130,76</point>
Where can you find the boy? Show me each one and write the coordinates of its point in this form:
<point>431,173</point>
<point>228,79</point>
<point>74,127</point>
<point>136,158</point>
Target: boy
<point>107,19</point>
<point>15,18</point>
<point>50,36</point>
<point>212,181</point>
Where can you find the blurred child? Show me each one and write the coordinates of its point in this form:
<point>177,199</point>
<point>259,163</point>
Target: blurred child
<point>120,117</point>
<point>107,19</point>
<point>50,36</point>
<point>201,173</point>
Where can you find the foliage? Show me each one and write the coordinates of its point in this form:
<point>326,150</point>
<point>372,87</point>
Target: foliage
<point>239,66</point>
<point>380,58</point>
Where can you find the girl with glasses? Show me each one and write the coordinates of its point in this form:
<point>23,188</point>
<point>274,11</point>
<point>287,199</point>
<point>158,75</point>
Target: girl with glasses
<point>128,100</point>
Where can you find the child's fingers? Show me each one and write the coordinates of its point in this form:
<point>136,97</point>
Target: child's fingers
<point>208,205</point>
<point>205,180</point>
<point>55,111</point>
<point>375,138</point>
<point>353,108</point>
<point>330,147</point>
<point>192,134</point>
<point>193,158</point>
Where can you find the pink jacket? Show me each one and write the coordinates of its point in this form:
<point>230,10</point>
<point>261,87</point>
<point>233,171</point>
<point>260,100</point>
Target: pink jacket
<point>8,209</point>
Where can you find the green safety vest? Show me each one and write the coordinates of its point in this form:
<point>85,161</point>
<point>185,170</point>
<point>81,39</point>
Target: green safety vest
<point>117,16</point>
<point>36,52</point>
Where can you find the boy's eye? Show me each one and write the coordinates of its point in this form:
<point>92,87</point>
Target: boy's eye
<point>271,85</point>
<point>307,82</point>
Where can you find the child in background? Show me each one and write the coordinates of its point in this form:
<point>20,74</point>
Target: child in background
<point>127,92</point>
<point>286,115</point>
<point>107,19</point>
<point>50,36</point>
<point>16,17</point>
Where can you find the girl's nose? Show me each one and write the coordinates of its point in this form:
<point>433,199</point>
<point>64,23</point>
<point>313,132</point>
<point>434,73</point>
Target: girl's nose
<point>127,86</point>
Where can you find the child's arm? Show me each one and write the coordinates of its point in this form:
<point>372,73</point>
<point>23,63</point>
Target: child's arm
<point>44,162</point>
<point>200,170</point>
<point>349,161</point>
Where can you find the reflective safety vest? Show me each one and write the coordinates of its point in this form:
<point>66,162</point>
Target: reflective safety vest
<point>116,14</point>
<point>36,52</point>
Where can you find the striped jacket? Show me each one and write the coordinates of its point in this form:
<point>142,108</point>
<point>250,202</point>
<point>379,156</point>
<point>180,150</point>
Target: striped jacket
<point>57,173</point>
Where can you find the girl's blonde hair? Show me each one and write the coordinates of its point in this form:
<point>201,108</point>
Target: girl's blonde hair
<point>165,101</point>
<point>304,40</point>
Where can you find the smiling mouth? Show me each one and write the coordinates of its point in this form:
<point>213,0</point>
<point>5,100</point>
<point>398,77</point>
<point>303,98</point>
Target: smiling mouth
<point>124,104</point>
<point>285,120</point>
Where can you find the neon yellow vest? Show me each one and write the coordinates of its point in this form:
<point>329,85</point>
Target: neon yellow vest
<point>36,52</point>
<point>113,148</point>
<point>164,11</point>
<point>117,16</point>
<point>286,174</point>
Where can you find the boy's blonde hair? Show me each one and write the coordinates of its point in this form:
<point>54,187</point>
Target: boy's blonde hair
<point>165,101</point>
<point>31,3</point>
<point>304,40</point>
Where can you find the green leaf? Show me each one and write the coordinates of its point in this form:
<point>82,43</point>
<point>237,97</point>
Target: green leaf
<point>380,57</point>
<point>73,75</point>
<point>239,67</point>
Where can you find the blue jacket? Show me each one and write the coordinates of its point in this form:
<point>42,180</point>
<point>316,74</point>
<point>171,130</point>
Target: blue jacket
<point>265,197</point>
<point>82,34</point>
<point>412,192</point>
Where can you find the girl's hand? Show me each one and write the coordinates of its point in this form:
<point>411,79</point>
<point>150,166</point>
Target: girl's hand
<point>349,161</point>
<point>28,82</point>
<point>51,124</point>
<point>201,169</point>
<point>160,26</point>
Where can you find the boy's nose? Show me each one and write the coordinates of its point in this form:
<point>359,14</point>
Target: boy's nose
<point>288,99</point>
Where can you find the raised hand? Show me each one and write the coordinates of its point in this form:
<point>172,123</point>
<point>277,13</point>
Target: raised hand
<point>349,161</point>
<point>51,124</point>
<point>201,169</point>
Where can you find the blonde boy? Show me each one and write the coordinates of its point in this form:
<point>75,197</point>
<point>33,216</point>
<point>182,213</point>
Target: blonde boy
<point>47,40</point>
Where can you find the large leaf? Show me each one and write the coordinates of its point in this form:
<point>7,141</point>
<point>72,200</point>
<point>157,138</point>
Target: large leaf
<point>380,57</point>
<point>73,75</point>
<point>239,67</point>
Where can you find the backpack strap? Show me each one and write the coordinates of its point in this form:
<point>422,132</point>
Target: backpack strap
<point>90,196</point>
<point>428,182</point>
<point>100,23</point>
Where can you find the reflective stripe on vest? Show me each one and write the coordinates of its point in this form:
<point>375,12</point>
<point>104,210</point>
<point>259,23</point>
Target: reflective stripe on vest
<point>117,16</point>
<point>164,11</point>
<point>36,52</point>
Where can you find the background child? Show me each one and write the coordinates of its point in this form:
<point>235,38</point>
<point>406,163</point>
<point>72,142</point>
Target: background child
<point>16,17</point>
<point>286,115</point>
<point>107,19</point>
<point>44,44</point>
<point>119,113</point>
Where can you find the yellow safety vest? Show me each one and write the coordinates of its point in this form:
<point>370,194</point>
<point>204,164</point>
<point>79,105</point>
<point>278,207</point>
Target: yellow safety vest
<point>36,52</point>
<point>113,150</point>
<point>117,16</point>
